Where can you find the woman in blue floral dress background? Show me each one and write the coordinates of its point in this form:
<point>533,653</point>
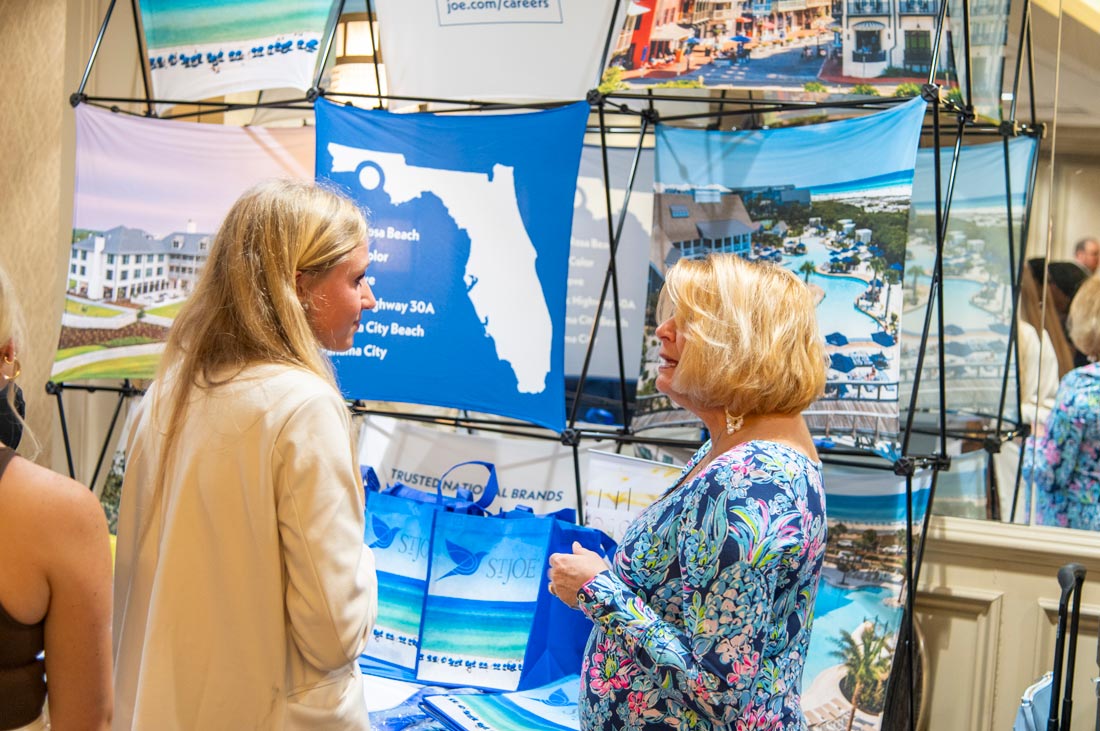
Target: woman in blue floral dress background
<point>1064,462</point>
<point>703,620</point>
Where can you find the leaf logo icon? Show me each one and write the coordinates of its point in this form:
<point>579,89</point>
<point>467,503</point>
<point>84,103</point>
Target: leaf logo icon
<point>466,562</point>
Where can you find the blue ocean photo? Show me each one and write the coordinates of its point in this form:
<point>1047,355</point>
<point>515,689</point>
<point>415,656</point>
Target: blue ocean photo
<point>171,23</point>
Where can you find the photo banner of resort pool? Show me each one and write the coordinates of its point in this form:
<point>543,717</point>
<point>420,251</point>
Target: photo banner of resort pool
<point>200,49</point>
<point>588,262</point>
<point>494,49</point>
<point>782,196</point>
<point>860,592</point>
<point>150,196</point>
<point>977,277</point>
<point>470,226</point>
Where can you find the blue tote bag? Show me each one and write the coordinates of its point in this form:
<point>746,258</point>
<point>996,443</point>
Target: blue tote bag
<point>398,530</point>
<point>489,620</point>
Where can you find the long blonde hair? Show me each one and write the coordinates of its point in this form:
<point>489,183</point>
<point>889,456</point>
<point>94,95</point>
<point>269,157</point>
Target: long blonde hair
<point>245,308</point>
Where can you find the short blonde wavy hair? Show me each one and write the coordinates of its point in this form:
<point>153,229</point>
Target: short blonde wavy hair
<point>1083,322</point>
<point>752,343</point>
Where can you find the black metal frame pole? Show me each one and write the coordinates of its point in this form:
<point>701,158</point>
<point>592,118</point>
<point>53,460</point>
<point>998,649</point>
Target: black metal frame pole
<point>1031,71</point>
<point>79,96</point>
<point>577,480</point>
<point>126,390</point>
<point>608,276</point>
<point>143,58</point>
<point>322,58</point>
<point>55,389</point>
<point>1012,352</point>
<point>612,255</point>
<point>377,54</point>
<point>969,57</point>
<point>1025,24</point>
<point>940,17</point>
<point>1016,273</point>
<point>122,396</point>
<point>1025,231</point>
<point>611,29</point>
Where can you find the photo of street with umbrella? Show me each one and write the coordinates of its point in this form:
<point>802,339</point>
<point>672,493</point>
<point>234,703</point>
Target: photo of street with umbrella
<point>849,47</point>
<point>779,196</point>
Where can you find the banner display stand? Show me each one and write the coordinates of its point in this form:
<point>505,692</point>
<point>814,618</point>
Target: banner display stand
<point>126,391</point>
<point>905,464</point>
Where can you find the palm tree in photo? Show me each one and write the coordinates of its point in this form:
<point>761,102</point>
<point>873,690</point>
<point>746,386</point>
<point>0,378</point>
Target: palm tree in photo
<point>917,271</point>
<point>890,277</point>
<point>878,266</point>
<point>807,268</point>
<point>866,662</point>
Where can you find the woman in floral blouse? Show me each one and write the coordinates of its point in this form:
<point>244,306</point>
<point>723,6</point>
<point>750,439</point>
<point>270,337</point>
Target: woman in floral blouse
<point>1065,462</point>
<point>704,618</point>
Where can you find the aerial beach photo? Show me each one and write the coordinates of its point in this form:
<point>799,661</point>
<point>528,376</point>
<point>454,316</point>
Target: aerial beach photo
<point>203,48</point>
<point>760,195</point>
<point>847,243</point>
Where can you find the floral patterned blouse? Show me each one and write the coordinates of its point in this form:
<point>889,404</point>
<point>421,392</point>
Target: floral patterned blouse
<point>1066,463</point>
<point>704,620</point>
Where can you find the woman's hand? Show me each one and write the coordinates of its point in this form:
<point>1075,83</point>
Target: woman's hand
<point>570,571</point>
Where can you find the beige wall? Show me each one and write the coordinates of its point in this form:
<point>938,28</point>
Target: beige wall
<point>44,60</point>
<point>987,607</point>
<point>36,186</point>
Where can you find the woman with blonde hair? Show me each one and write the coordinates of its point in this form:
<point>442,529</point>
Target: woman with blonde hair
<point>703,619</point>
<point>244,594</point>
<point>55,577</point>
<point>1064,462</point>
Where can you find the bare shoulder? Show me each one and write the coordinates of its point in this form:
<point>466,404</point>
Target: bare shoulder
<point>48,498</point>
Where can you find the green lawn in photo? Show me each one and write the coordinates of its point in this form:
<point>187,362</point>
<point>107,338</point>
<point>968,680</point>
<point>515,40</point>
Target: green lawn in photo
<point>166,310</point>
<point>80,308</point>
<point>135,366</point>
<point>64,353</point>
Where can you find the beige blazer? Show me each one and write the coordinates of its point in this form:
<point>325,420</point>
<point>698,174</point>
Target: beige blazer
<point>244,594</point>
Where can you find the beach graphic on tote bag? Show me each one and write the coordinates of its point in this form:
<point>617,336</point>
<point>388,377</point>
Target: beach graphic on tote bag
<point>482,597</point>
<point>399,532</point>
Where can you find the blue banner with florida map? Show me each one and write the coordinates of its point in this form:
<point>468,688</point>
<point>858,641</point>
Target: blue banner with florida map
<point>470,220</point>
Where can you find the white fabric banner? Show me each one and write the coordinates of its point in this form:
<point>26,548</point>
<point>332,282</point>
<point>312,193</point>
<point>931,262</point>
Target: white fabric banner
<point>495,49</point>
<point>619,488</point>
<point>533,472</point>
<point>205,48</point>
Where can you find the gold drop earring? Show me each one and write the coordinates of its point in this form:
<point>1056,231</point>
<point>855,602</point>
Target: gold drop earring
<point>16,369</point>
<point>733,423</point>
